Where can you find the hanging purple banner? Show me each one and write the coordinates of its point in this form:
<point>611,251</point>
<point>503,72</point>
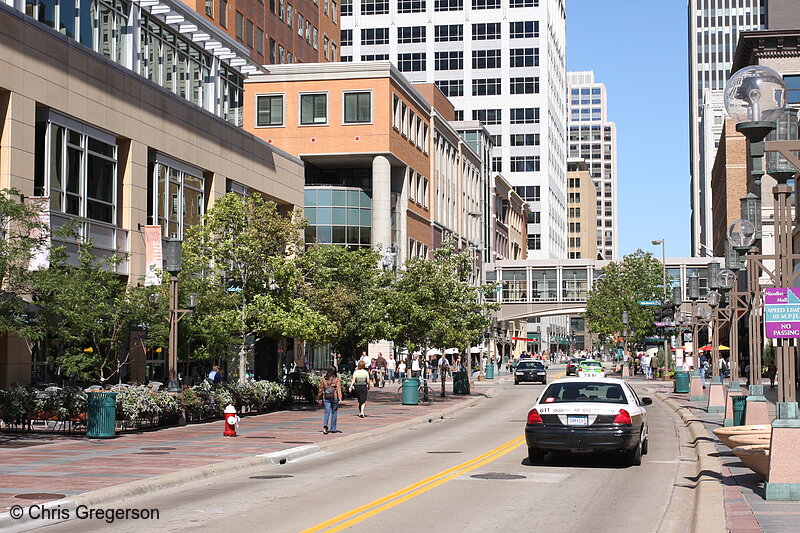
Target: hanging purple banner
<point>782,313</point>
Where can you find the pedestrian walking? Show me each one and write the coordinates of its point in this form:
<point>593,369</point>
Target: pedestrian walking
<point>382,365</point>
<point>401,370</point>
<point>361,384</point>
<point>330,392</point>
<point>747,374</point>
<point>703,369</point>
<point>415,368</point>
<point>444,366</point>
<point>391,367</point>
<point>772,371</point>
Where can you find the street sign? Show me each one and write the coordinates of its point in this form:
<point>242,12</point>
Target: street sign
<point>649,302</point>
<point>782,312</point>
<point>662,324</point>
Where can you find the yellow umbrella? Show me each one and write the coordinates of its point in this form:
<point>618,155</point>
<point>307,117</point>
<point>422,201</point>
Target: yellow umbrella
<point>723,347</point>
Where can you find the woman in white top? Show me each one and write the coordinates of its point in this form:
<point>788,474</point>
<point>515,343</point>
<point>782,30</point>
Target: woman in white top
<point>401,370</point>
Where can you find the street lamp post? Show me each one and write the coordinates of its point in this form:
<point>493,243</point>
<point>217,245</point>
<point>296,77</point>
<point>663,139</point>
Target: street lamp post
<point>755,97</point>
<point>173,263</point>
<point>663,244</point>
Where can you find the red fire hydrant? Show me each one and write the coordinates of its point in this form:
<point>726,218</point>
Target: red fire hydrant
<point>231,421</point>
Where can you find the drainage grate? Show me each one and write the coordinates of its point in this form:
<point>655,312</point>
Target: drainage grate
<point>157,448</point>
<point>40,496</point>
<point>445,451</point>
<point>271,476</point>
<point>498,475</point>
<point>151,453</point>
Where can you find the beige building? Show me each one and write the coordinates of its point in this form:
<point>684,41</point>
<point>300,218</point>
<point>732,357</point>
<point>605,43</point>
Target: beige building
<point>101,142</point>
<point>581,220</point>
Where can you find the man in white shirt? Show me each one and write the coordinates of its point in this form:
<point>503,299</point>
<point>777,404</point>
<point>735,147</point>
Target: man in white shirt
<point>391,366</point>
<point>415,368</point>
<point>646,366</point>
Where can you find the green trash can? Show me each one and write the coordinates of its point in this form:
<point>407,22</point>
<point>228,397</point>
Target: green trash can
<point>490,371</point>
<point>410,391</point>
<point>101,414</point>
<point>739,405</point>
<point>460,383</point>
<point>682,382</point>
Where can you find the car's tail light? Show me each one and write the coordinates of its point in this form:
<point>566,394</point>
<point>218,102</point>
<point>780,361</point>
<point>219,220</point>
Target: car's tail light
<point>623,417</point>
<point>535,418</point>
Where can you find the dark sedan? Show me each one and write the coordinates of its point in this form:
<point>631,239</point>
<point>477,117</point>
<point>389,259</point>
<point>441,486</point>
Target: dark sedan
<point>573,364</point>
<point>530,371</point>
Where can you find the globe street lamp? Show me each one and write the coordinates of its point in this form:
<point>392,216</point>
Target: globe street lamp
<point>173,263</point>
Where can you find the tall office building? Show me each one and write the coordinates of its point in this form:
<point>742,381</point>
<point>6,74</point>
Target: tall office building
<point>714,27</point>
<point>499,61</point>
<point>593,138</point>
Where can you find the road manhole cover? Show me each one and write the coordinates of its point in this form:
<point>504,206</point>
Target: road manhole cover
<point>258,437</point>
<point>497,475</point>
<point>296,442</point>
<point>271,476</point>
<point>40,496</point>
<point>158,448</point>
<point>151,453</point>
<point>445,451</point>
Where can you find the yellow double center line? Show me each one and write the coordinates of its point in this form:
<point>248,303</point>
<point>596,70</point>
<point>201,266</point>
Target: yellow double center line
<point>359,514</point>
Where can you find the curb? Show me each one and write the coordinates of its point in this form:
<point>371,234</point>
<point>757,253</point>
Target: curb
<point>709,472</point>
<point>124,491</point>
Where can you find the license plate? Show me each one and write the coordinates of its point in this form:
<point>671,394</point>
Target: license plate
<point>581,420</point>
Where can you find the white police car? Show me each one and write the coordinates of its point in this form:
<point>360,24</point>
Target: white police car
<point>588,414</point>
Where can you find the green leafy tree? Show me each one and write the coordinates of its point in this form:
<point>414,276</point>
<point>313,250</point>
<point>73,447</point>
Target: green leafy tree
<point>241,262</point>
<point>623,284</point>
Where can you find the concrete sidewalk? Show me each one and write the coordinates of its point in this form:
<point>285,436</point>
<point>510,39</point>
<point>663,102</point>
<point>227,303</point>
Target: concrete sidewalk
<point>746,509</point>
<point>38,468</point>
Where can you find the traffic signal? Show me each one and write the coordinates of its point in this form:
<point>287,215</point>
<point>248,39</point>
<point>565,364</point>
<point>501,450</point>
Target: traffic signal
<point>658,314</point>
<point>667,311</point>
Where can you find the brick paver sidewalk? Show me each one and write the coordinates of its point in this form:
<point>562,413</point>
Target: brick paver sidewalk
<point>746,509</point>
<point>36,468</point>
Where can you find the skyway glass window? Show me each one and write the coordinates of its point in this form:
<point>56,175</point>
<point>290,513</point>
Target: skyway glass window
<point>357,107</point>
<point>452,60</point>
<point>486,59</point>
<point>527,163</point>
<point>448,5</point>
<point>486,31</point>
<point>375,36</point>
<point>449,32</point>
<point>411,6</point>
<point>411,34</point>
<point>374,7</point>
<point>524,57</point>
<point>526,85</point>
<point>524,30</point>
<point>269,110</point>
<point>414,62</point>
<point>486,87</point>
<point>488,116</point>
<point>313,109</point>
<point>525,115</point>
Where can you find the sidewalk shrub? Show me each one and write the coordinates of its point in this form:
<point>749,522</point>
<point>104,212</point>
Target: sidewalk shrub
<point>18,404</point>
<point>137,402</point>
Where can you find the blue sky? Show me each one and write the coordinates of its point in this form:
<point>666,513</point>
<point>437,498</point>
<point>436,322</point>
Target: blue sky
<point>639,50</point>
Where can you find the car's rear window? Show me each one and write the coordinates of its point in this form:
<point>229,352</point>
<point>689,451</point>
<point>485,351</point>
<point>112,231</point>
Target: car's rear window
<point>584,392</point>
<point>591,364</point>
<point>575,360</point>
<point>530,364</point>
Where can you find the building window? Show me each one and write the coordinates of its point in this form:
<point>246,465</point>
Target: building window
<point>485,4</point>
<point>414,62</point>
<point>79,171</point>
<point>452,60</point>
<point>210,8</point>
<point>249,31</point>
<point>333,11</point>
<point>486,31</point>
<point>448,5</point>
<point>525,115</point>
<point>530,193</point>
<point>260,41</point>
<point>411,34</point>
<point>290,16</point>
<point>451,87</point>
<point>524,139</point>
<point>497,164</point>
<point>223,13</point>
<point>449,32</point>
<point>792,89</point>
<point>524,57</point>
<point>375,57</point>
<point>459,114</point>
<point>534,217</point>
<point>375,36</point>
<point>315,38</point>
<point>347,8</point>
<point>300,20</point>
<point>523,3</point>
<point>374,7</point>
<point>178,199</point>
<point>347,37</point>
<point>526,85</point>
<point>269,110</point>
<point>486,59</point>
<point>488,116</point>
<point>497,140</point>
<point>526,163</point>
<point>357,107</point>
<point>325,46</point>
<point>272,50</point>
<point>314,109</point>
<point>239,25</point>
<point>523,30</point>
<point>534,241</point>
<point>486,87</point>
<point>346,59</point>
<point>411,6</point>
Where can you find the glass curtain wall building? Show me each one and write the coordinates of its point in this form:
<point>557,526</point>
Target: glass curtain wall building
<point>501,62</point>
<point>714,27</point>
<point>593,138</point>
